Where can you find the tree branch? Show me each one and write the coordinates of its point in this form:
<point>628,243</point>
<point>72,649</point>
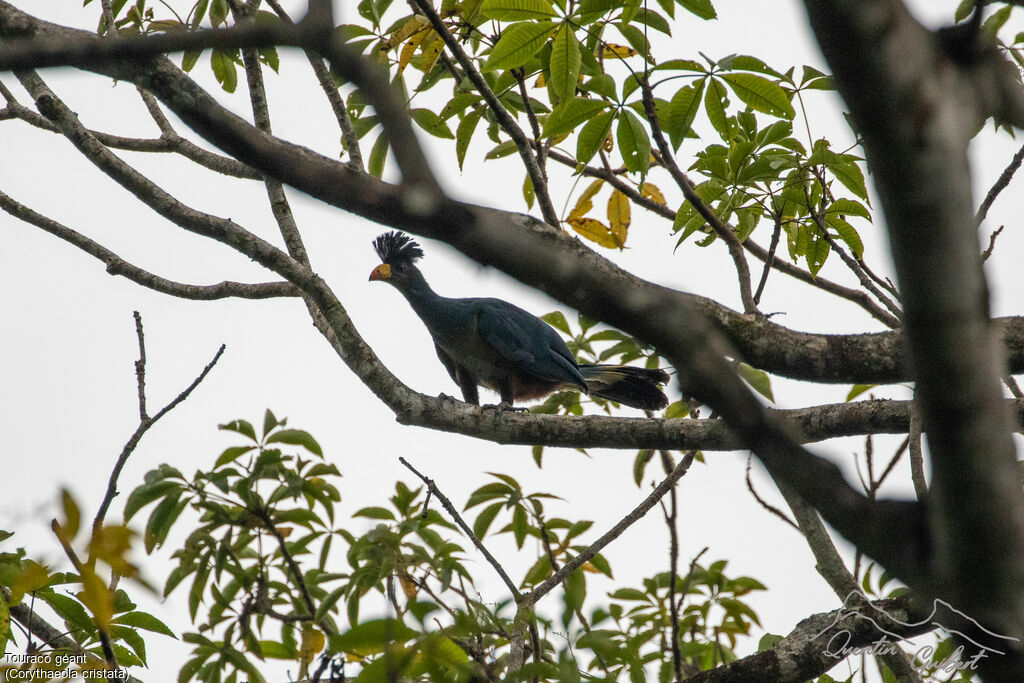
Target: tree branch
<point>118,266</point>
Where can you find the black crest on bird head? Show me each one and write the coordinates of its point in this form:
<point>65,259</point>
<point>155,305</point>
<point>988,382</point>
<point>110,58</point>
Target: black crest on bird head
<point>397,247</point>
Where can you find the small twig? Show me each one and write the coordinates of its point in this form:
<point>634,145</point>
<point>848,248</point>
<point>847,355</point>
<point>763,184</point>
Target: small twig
<point>450,509</point>
<point>1011,384</point>
<point>770,261</point>
<point>991,243</point>
<point>1004,179</point>
<point>140,367</point>
<point>145,422</point>
<point>638,512</point>
<point>855,266</point>
<point>722,229</point>
<point>685,588</point>
<point>767,506</point>
<point>501,115</point>
<point>673,568</point>
<point>323,76</point>
<point>892,461</point>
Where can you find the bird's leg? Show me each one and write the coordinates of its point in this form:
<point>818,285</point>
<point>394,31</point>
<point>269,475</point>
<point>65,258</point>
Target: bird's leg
<point>470,394</point>
<point>508,397</point>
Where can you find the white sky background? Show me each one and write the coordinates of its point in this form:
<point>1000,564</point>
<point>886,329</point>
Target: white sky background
<point>67,341</point>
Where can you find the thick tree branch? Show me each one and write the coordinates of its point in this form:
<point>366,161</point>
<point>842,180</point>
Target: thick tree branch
<point>916,103</point>
<point>815,646</point>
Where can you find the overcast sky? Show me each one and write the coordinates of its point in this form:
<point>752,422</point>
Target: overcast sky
<point>67,388</point>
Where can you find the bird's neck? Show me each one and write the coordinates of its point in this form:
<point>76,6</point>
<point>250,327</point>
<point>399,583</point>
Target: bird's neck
<point>420,296</point>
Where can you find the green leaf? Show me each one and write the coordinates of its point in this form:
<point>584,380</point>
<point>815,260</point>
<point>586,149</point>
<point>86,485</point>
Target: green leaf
<point>963,10</point>
<point>634,144</point>
<point>189,59</point>
<point>464,134</point>
<point>565,63</point>
<point>502,150</point>
<point>629,594</point>
<point>5,623</point>
<point>637,40</point>
<point>374,512</point>
<point>297,437</point>
<point>757,379</point>
<point>378,156</point>
<point>681,112</point>
<point>557,320</point>
<point>760,93</point>
<point>231,454</point>
<point>431,123</point>
<point>270,421</point>
<point>593,135</point>
<point>219,12</point>
<point>240,426</point>
<point>146,494</point>
<point>485,518</point>
<point>702,8</point>
<point>372,637</point>
<point>714,105</point>
<point>146,622</point>
<point>570,114</point>
<point>640,464</point>
<point>516,10</point>
<point>858,389</point>
<point>575,590</point>
<point>848,172</point>
<point>224,70</point>
<point>518,43</point>
<point>520,525</point>
<point>161,520</point>
<point>847,233</point>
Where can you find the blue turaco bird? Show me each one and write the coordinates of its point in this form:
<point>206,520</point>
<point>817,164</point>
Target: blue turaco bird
<point>491,343</point>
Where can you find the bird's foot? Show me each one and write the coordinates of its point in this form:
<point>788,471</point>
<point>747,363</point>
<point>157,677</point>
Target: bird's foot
<point>505,406</point>
<point>447,401</point>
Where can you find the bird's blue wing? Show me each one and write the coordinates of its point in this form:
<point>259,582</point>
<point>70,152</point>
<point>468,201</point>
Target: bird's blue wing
<point>527,341</point>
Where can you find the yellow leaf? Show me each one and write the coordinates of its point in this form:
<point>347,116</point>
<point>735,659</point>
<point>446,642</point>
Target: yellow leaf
<point>584,204</point>
<point>414,25</point>
<point>71,515</point>
<point>312,642</point>
<point>409,50</point>
<point>111,544</point>
<point>609,50</point>
<point>285,531</point>
<point>33,576</point>
<point>618,217</point>
<point>540,82</point>
<point>589,567</point>
<point>594,230</point>
<point>431,48</point>
<point>652,192</point>
<point>95,596</point>
<point>409,586</point>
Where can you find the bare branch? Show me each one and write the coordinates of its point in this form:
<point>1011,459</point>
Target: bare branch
<point>617,530</point>
<point>145,422</point>
<point>1001,183</point>
<point>118,266</point>
<point>450,509</point>
<point>805,653</point>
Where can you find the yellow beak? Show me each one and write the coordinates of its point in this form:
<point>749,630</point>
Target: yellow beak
<point>381,272</point>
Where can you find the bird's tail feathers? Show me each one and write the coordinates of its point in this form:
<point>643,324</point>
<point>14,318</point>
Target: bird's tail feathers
<point>626,384</point>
